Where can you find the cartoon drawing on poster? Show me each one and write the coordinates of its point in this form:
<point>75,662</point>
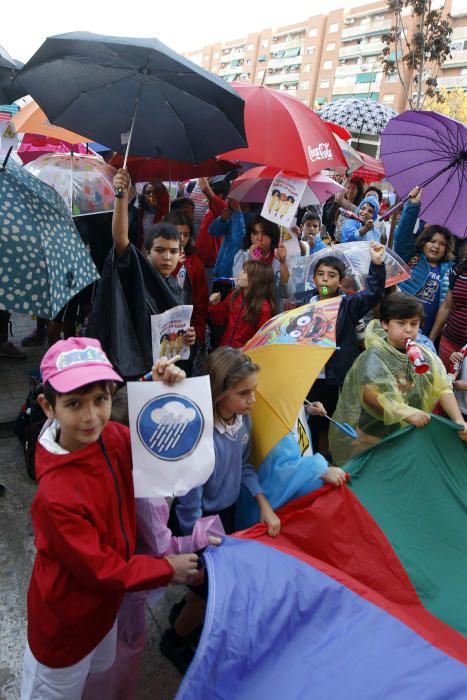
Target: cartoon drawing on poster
<point>168,331</point>
<point>171,434</point>
<point>283,198</point>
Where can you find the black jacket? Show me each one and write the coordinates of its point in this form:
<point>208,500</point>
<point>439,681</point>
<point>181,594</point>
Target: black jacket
<point>352,309</point>
<point>130,291</point>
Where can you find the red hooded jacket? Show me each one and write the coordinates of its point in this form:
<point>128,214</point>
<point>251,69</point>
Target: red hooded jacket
<point>199,293</point>
<point>85,528</point>
<point>231,313</point>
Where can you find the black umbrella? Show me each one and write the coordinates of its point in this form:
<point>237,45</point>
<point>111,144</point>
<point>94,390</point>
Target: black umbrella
<point>10,89</point>
<point>117,90</point>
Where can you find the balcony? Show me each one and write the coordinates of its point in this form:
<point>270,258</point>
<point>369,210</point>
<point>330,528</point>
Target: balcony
<point>458,60</point>
<point>284,45</point>
<point>453,81</point>
<point>282,62</point>
<point>281,77</point>
<point>367,29</point>
<point>355,69</point>
<point>370,48</point>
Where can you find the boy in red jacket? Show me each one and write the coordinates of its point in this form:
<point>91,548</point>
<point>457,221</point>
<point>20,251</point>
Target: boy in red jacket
<point>84,522</point>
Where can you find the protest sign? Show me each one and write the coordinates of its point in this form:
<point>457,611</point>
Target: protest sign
<point>168,330</point>
<point>282,199</point>
<point>171,436</point>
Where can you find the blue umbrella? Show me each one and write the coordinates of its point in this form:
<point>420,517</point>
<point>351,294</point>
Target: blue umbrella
<point>43,261</point>
<point>118,89</point>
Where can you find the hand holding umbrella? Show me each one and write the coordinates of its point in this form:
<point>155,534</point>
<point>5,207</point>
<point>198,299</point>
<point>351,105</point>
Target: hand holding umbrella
<point>316,408</point>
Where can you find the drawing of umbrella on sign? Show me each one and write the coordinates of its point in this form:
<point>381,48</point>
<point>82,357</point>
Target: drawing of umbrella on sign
<point>43,262</point>
<point>291,349</point>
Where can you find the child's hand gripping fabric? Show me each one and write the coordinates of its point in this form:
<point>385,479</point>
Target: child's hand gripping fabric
<point>268,516</point>
<point>335,476</point>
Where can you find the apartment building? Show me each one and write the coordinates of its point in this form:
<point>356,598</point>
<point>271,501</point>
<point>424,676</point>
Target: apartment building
<point>330,56</point>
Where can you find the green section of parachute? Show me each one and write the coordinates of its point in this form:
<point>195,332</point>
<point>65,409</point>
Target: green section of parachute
<point>414,484</point>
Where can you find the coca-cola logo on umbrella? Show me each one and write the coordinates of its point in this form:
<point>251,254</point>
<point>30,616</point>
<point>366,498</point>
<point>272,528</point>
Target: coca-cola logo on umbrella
<point>320,152</point>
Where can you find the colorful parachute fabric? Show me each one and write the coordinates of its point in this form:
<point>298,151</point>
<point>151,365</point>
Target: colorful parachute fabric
<point>362,595</point>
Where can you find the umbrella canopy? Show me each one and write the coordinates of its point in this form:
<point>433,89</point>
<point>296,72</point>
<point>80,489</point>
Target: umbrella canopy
<point>356,258</point>
<point>281,131</point>
<point>363,116</point>
<point>429,149</point>
<point>34,145</point>
<point>43,262</point>
<point>372,169</point>
<point>143,169</point>
<point>352,157</point>
<point>32,120</point>
<point>10,89</point>
<point>103,85</point>
<point>253,186</point>
<point>291,346</point>
<point>84,182</point>
<point>339,130</point>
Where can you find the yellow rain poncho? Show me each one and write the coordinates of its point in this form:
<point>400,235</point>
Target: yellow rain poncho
<point>385,376</point>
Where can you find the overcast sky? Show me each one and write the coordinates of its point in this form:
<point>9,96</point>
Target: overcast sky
<point>181,24</point>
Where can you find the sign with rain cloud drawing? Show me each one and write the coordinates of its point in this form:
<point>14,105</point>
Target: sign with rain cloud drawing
<point>171,436</point>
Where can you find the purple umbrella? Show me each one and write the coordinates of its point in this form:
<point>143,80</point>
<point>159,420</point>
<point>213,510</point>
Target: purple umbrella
<point>430,150</point>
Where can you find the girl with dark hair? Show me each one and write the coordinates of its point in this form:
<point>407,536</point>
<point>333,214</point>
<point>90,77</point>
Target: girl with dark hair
<point>153,204</point>
<point>429,256</point>
<point>247,307</point>
<point>263,242</point>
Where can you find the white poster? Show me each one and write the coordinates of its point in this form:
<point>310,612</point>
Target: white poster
<point>282,199</point>
<point>171,436</point>
<point>168,330</point>
<point>8,137</point>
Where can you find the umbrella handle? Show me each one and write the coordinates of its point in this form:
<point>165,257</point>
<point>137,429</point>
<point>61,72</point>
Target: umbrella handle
<point>119,192</point>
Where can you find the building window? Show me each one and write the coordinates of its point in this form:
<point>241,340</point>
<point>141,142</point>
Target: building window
<point>324,83</point>
<point>393,78</point>
<point>307,67</point>
<point>390,97</point>
<point>310,50</point>
<point>331,46</point>
<point>216,55</point>
<point>205,57</point>
<point>333,28</point>
<point>313,32</point>
<point>327,65</point>
<point>264,43</point>
<point>251,47</point>
<point>305,85</point>
<point>248,61</point>
<point>262,59</point>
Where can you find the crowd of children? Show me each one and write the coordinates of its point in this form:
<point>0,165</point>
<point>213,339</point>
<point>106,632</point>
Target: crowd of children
<point>90,565</point>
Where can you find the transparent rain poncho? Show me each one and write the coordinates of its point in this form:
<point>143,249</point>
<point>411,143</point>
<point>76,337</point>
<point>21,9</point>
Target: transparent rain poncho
<point>386,376</point>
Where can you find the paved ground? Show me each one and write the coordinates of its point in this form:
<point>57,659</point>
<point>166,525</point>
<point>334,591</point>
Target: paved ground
<point>158,679</point>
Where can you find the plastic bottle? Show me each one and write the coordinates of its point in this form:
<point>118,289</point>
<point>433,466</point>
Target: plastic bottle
<point>415,356</point>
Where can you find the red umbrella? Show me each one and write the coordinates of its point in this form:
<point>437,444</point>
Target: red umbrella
<point>281,131</point>
<point>34,145</point>
<point>143,169</point>
<point>372,169</point>
<point>339,130</point>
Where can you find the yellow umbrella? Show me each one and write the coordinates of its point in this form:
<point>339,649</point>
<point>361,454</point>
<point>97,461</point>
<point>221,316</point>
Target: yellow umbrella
<point>32,120</point>
<point>291,349</point>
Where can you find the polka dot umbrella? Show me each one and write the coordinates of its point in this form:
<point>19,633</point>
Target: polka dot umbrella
<point>43,262</point>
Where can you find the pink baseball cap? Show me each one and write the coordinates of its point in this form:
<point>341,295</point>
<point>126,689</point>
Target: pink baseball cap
<point>72,363</point>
